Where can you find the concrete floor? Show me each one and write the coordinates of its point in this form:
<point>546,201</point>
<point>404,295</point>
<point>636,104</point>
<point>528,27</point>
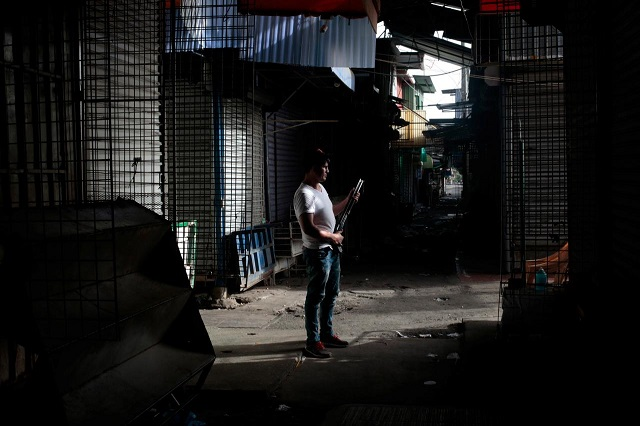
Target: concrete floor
<point>426,348</point>
<point>429,346</point>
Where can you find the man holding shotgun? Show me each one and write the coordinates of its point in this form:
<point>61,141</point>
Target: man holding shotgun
<point>322,244</point>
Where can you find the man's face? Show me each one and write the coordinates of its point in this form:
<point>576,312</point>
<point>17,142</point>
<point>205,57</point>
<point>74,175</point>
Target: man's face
<point>322,171</point>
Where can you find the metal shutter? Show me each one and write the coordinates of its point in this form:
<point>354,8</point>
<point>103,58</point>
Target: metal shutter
<point>283,162</point>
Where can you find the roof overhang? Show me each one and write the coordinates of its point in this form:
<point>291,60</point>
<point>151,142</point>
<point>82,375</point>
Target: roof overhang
<point>462,105</point>
<point>437,48</point>
<point>414,24</point>
<point>424,83</point>
<point>410,60</point>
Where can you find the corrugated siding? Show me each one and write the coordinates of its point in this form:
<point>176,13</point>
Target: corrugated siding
<point>190,162</point>
<point>283,163</point>
<point>535,176</point>
<point>297,40</point>
<point>294,40</point>
<point>243,166</point>
<point>122,101</point>
<point>206,24</point>
<point>214,166</point>
<point>535,162</point>
<point>525,42</point>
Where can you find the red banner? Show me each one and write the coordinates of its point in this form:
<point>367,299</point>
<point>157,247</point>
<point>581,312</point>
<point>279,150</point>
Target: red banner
<point>499,6</point>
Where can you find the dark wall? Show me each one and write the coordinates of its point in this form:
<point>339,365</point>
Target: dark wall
<point>603,131</point>
<point>481,231</point>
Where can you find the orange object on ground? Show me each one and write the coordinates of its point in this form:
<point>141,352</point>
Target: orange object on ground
<point>555,265</point>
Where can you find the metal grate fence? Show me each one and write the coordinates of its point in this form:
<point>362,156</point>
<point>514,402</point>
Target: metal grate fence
<point>534,174</point>
<point>137,100</point>
<point>125,129</point>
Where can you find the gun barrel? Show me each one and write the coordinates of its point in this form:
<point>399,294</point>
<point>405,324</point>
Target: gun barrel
<point>348,207</point>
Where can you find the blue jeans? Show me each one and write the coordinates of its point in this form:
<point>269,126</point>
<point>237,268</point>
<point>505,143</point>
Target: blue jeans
<point>323,270</point>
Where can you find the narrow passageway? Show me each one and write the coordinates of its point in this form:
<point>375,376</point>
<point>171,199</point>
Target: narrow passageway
<point>423,322</point>
<point>428,237</point>
<point>405,317</point>
<point>425,346</point>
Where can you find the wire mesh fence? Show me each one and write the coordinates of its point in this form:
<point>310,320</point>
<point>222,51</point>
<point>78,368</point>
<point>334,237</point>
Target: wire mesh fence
<point>534,169</point>
<point>112,101</point>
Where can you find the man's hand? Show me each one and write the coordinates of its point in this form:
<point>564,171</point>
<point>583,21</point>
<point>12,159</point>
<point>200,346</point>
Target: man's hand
<point>337,238</point>
<point>355,195</point>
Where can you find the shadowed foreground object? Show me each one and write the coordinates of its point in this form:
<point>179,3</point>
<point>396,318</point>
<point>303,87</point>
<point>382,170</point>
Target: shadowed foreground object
<point>100,322</point>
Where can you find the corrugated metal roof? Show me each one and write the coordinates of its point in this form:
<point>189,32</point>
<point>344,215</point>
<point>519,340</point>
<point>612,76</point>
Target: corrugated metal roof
<point>438,48</point>
<point>291,40</point>
<point>206,24</point>
<point>424,83</point>
<point>412,60</point>
<point>298,40</point>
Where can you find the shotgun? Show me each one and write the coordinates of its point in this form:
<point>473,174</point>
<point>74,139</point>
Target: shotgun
<point>343,216</point>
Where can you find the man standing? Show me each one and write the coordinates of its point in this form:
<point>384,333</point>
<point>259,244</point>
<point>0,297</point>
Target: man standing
<point>317,217</point>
